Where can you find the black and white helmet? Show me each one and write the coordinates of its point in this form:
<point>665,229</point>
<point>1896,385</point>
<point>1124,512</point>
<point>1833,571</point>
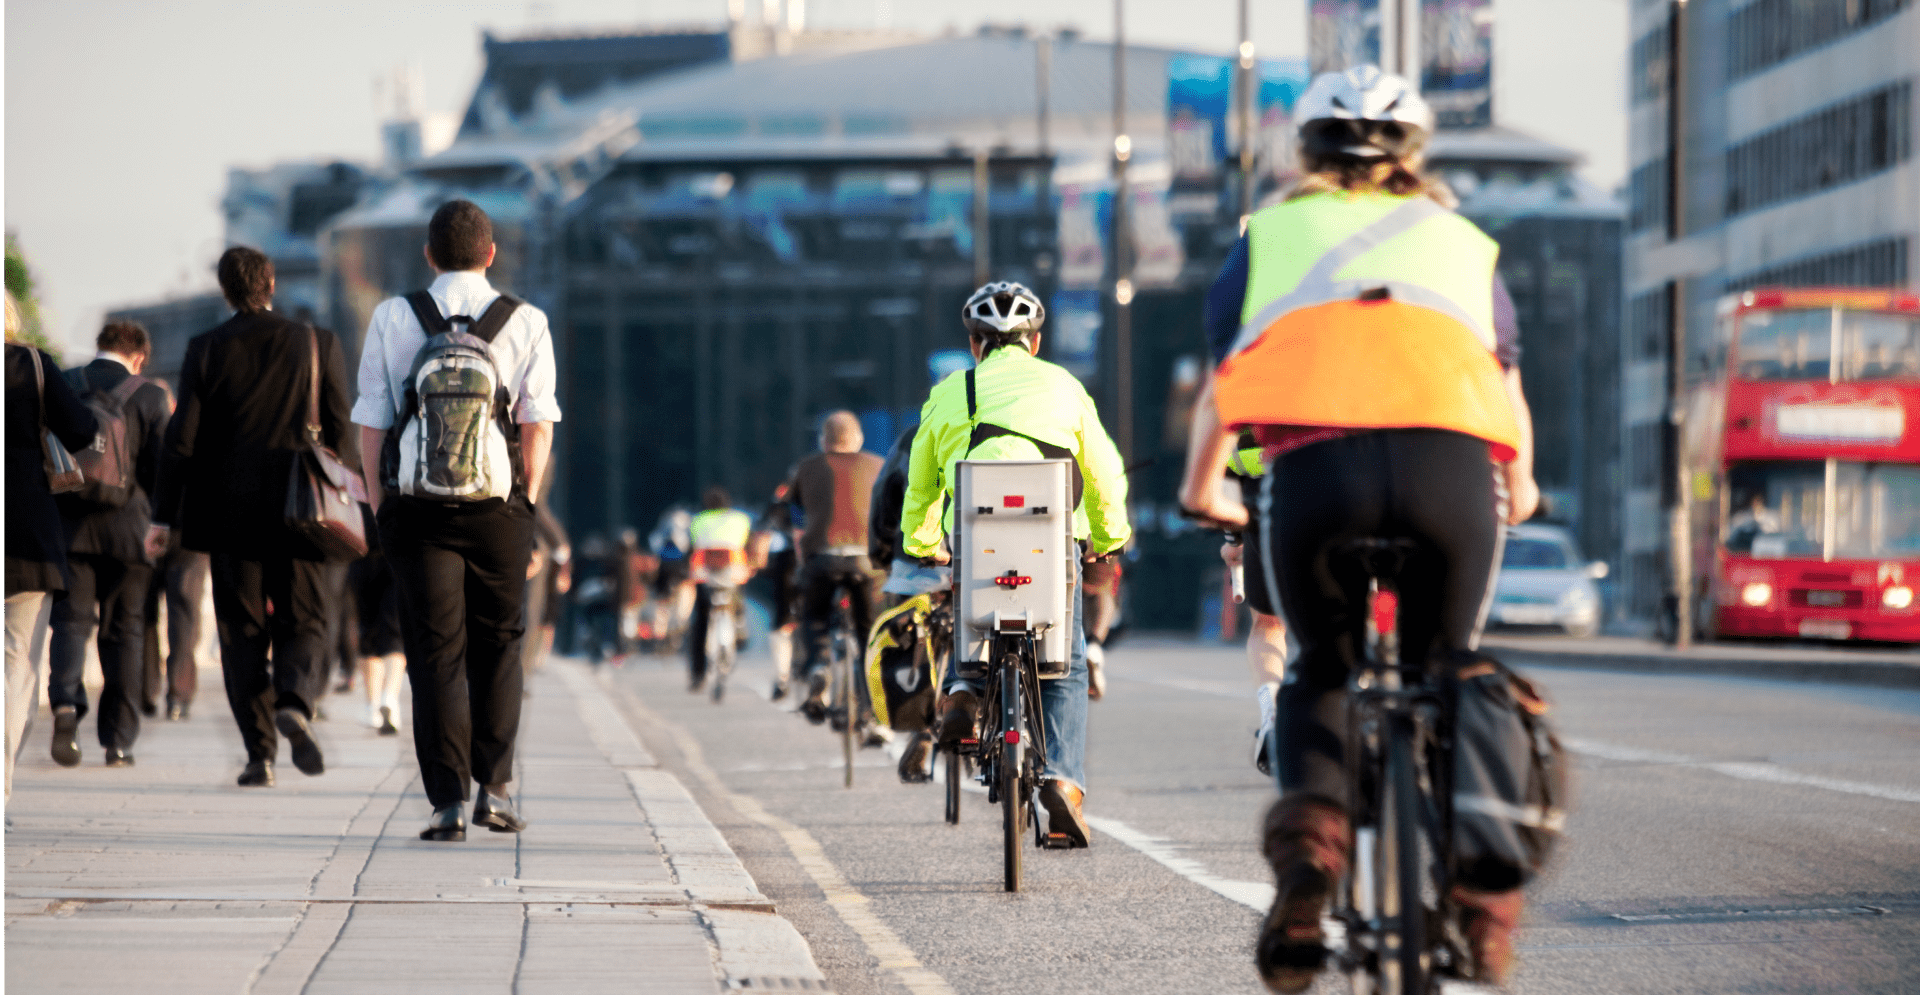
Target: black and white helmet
<point>1363,113</point>
<point>1003,306</point>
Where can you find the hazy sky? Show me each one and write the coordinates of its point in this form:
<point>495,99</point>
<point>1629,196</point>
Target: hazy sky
<point>123,117</point>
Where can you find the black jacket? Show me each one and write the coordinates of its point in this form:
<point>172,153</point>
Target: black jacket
<point>120,532</point>
<point>889,494</point>
<point>241,418</point>
<point>36,541</point>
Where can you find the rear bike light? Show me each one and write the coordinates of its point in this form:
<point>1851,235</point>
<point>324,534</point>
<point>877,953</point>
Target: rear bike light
<point>1013,737</point>
<point>1386,610</point>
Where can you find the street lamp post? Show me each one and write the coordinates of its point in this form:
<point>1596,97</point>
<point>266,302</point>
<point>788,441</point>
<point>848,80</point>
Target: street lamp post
<point>1246,114</point>
<point>1122,262</point>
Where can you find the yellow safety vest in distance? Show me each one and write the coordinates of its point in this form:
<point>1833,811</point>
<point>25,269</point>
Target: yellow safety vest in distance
<point>719,540</point>
<point>1245,462</point>
<point>1368,311</point>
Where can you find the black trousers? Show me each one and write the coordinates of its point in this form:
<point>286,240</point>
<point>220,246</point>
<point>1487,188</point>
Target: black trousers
<point>274,622</point>
<point>108,596</point>
<point>1437,488</point>
<point>174,672</point>
<point>822,578</point>
<point>461,571</point>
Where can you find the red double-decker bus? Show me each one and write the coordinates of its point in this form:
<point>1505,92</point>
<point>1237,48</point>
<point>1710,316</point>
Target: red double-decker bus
<point>1809,468</point>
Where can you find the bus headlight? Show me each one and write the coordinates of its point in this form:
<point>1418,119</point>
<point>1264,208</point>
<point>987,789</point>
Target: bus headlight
<point>1897,598</point>
<point>1757,594</point>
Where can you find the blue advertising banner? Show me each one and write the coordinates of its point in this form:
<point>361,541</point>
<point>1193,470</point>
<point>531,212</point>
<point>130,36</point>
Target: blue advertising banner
<point>1281,83</point>
<point>1456,75</point>
<point>1197,90</point>
<point>1342,34</point>
<point>1074,320</point>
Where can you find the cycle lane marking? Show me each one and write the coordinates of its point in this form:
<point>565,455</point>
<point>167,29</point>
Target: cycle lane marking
<point>1252,894</point>
<point>1762,771</point>
<point>854,908</point>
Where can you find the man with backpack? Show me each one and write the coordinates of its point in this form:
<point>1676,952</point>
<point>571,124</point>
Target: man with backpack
<point>106,525</point>
<point>456,416</point>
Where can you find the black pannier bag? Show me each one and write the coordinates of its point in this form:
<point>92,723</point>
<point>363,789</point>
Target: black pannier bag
<point>1510,784</point>
<point>903,675</point>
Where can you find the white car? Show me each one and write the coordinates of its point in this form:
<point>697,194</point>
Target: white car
<point>1544,581</point>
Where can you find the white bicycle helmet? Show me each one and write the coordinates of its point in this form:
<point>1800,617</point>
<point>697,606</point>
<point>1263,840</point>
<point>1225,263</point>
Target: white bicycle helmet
<point>1003,306</point>
<point>1365,114</point>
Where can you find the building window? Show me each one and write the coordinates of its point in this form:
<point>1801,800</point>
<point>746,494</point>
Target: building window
<point>1648,316</point>
<point>1645,442</point>
<point>1650,66</point>
<point>1838,144</point>
<point>1881,263</point>
<point>1767,32</point>
<point>1647,196</point>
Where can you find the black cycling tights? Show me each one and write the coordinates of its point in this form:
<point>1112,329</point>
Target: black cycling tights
<point>1438,488</point>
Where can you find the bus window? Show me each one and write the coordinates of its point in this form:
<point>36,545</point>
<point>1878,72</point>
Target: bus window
<point>1878,506</point>
<point>1786,520</point>
<point>1879,346</point>
<point>1785,345</point>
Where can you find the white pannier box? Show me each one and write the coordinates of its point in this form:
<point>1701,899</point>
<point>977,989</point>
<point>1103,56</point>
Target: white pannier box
<point>1013,539</point>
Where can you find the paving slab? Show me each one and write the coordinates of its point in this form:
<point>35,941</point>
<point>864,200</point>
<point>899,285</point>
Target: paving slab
<point>167,876</point>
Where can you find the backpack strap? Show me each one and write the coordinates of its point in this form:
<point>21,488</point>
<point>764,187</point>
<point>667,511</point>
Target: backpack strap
<point>973,410</point>
<point>431,320</point>
<point>124,393</point>
<point>494,318</point>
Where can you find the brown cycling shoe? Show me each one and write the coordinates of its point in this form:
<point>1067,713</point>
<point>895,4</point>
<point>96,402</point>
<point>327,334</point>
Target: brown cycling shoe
<point>1490,919</point>
<point>1062,800</point>
<point>957,722</point>
<point>1306,844</point>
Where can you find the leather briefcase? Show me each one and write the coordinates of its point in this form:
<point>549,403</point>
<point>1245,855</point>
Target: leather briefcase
<point>323,495</point>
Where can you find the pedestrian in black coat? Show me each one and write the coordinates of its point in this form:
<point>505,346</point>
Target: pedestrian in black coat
<point>223,480</point>
<point>108,564</point>
<point>36,542</point>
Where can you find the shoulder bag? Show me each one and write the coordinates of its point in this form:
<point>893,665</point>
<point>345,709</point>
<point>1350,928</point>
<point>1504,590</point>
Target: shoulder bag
<point>63,471</point>
<point>323,496</point>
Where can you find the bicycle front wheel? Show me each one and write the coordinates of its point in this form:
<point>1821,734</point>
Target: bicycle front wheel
<point>1405,967</point>
<point>1012,769</point>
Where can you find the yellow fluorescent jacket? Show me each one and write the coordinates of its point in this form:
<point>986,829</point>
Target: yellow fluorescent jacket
<point>1017,391</point>
<point>1367,311</point>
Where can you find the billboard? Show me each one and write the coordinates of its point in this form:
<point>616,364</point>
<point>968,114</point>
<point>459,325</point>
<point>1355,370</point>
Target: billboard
<point>1281,82</point>
<point>1197,89</point>
<point>1456,72</point>
<point>1342,34</point>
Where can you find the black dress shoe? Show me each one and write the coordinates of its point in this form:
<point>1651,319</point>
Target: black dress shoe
<point>66,736</point>
<point>259,774</point>
<point>119,758</point>
<point>149,708</point>
<point>446,826</point>
<point>306,749</point>
<point>496,813</point>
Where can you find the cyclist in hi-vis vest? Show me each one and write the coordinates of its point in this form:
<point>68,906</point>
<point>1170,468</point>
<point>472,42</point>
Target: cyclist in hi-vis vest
<point>719,537</point>
<point>1369,367</point>
<point>1016,406</point>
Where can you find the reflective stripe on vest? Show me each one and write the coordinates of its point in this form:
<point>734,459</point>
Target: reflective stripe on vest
<point>721,528</point>
<point>1368,311</point>
<point>1246,463</point>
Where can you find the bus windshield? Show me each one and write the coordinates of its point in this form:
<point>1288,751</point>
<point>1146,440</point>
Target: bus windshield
<point>1798,344</point>
<point>1779,509</point>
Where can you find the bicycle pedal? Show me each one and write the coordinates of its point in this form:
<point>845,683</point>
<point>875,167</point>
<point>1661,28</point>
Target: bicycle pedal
<point>1056,841</point>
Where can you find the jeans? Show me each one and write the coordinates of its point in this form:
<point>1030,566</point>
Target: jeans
<point>1063,707</point>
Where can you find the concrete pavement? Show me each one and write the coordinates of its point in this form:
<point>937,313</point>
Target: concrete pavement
<point>168,877</point>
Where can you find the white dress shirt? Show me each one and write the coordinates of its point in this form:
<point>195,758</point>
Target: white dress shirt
<point>522,352</point>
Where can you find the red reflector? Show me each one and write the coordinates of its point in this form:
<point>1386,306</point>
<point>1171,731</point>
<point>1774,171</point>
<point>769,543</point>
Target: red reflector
<point>1011,579</point>
<point>1013,737</point>
<point>1013,501</point>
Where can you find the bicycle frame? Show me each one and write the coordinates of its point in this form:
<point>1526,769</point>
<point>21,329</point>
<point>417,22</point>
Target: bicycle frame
<point>1398,933</point>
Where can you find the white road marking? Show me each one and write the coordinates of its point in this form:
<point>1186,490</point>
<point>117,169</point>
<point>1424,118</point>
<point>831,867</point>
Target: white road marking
<point>1770,773</point>
<point>1252,894</point>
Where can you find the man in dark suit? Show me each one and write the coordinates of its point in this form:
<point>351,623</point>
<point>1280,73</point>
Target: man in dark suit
<point>223,481</point>
<point>107,560</point>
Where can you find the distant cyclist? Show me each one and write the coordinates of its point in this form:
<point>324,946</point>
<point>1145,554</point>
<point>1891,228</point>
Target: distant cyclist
<point>1374,369</point>
<point>1019,407</point>
<point>718,537</point>
<point>832,488</point>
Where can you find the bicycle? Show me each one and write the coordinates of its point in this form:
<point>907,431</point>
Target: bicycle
<point>721,637</point>
<point>1011,626</point>
<point>1399,926</point>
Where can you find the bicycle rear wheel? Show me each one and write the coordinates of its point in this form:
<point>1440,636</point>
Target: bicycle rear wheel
<point>1011,770</point>
<point>849,703</point>
<point>1405,966</point>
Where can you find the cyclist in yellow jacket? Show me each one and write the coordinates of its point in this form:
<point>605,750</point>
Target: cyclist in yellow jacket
<point>1016,406</point>
<point>718,535</point>
<point>1369,368</point>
